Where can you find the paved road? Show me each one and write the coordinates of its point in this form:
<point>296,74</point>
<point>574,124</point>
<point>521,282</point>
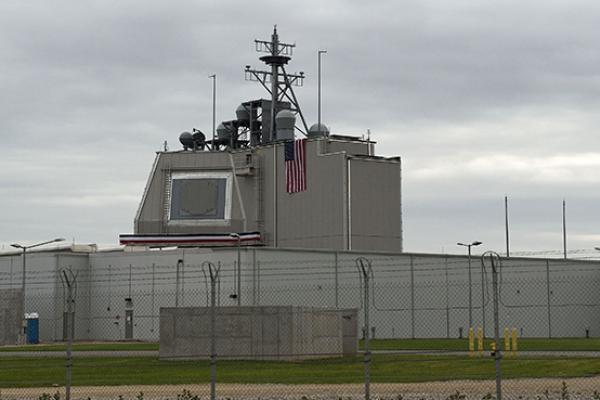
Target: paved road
<point>530,354</point>
<point>79,354</point>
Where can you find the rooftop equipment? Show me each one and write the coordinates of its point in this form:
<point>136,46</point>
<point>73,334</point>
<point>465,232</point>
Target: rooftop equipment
<point>279,83</point>
<point>262,121</point>
<point>318,130</point>
<point>285,120</point>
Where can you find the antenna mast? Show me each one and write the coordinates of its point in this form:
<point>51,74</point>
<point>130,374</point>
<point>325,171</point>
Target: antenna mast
<point>279,54</point>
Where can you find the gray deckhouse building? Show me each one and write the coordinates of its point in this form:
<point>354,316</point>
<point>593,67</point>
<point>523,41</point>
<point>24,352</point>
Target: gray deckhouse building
<point>236,182</point>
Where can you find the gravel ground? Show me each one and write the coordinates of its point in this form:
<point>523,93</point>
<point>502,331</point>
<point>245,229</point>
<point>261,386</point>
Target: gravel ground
<point>535,389</point>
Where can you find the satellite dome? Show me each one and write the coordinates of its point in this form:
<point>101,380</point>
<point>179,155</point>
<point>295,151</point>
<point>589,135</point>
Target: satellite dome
<point>318,130</point>
<point>242,114</point>
<point>285,119</point>
<point>186,140</point>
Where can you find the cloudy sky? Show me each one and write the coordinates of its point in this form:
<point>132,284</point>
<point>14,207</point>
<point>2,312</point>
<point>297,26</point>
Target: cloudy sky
<point>480,99</point>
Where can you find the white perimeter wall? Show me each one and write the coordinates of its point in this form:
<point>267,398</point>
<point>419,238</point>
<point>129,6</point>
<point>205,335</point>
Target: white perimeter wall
<point>413,295</point>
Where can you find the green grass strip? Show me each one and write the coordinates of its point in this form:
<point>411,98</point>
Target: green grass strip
<point>525,344</point>
<point>19,372</point>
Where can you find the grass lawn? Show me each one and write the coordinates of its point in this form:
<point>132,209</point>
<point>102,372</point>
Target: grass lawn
<point>525,344</point>
<point>19,372</point>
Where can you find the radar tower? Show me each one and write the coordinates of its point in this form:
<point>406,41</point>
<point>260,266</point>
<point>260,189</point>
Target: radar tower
<point>281,83</point>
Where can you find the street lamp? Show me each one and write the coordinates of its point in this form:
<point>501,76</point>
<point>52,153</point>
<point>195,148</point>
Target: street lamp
<point>239,268</point>
<point>24,251</point>
<point>468,246</point>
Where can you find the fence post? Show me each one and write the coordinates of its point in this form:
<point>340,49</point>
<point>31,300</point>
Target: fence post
<point>447,299</point>
<point>69,281</point>
<point>495,264</point>
<point>152,300</point>
<point>548,298</point>
<point>412,298</point>
<point>258,279</point>
<point>254,279</point>
<point>214,276</point>
<point>337,281</point>
<point>177,281</point>
<point>365,269</point>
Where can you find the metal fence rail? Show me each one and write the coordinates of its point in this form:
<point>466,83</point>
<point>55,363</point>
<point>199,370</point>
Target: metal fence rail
<point>301,325</point>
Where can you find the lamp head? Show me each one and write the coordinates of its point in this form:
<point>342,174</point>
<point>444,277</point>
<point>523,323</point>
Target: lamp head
<point>476,243</point>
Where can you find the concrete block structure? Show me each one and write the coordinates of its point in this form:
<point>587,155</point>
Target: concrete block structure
<point>262,332</point>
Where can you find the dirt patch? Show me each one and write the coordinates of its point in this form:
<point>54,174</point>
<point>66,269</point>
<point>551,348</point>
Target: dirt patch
<point>578,388</point>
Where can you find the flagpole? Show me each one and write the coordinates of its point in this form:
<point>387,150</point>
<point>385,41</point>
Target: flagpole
<point>214,108</point>
<point>275,145</point>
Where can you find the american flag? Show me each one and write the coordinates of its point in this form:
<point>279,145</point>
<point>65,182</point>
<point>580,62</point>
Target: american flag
<point>295,166</point>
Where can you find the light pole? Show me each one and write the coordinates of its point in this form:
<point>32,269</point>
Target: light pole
<point>468,246</point>
<point>24,253</point>
<point>320,52</point>
<point>214,102</point>
<point>239,268</point>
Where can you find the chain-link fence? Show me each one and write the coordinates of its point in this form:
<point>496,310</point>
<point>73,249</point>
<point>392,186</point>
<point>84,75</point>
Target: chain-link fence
<point>195,323</point>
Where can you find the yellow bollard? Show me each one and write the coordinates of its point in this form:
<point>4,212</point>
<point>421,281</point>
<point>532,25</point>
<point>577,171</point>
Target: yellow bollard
<point>471,342</point>
<point>493,347</point>
<point>480,340</point>
<point>514,342</point>
<point>507,341</point>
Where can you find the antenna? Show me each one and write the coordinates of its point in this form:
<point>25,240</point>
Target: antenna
<point>214,102</point>
<point>279,54</point>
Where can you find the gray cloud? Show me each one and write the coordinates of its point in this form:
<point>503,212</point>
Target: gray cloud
<point>480,99</point>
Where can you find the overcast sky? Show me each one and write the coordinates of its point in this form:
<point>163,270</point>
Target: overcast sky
<point>480,99</point>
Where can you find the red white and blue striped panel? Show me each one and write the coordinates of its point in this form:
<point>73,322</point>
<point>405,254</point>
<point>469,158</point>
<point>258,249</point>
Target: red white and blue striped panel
<point>295,166</point>
<point>190,240</point>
